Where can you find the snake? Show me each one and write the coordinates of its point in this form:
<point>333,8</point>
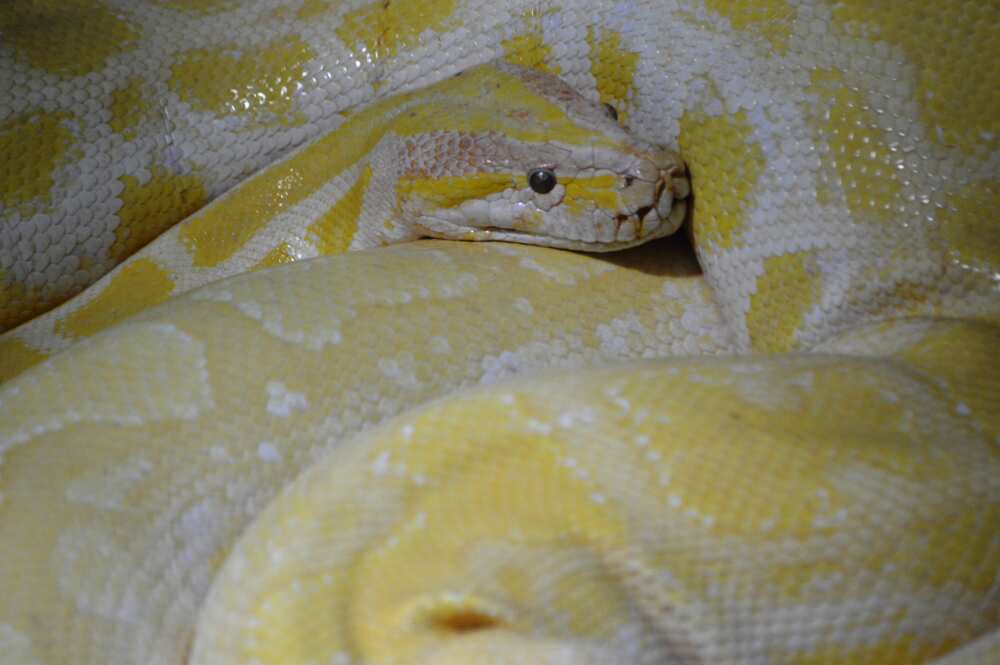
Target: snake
<point>771,437</point>
<point>532,162</point>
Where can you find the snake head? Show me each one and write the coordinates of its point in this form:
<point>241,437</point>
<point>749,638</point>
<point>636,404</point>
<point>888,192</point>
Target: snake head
<point>525,158</point>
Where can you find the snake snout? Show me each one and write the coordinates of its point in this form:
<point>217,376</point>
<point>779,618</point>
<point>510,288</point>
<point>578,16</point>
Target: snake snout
<point>666,172</point>
<point>672,186</point>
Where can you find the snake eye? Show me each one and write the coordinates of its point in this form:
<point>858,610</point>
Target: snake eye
<point>542,181</point>
<point>611,111</point>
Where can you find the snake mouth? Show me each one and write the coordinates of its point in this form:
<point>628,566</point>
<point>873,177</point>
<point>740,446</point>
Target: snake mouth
<point>495,233</point>
<point>661,214</point>
<point>639,233</point>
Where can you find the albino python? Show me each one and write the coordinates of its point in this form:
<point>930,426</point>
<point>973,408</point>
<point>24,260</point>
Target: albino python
<point>785,449</point>
<point>500,153</point>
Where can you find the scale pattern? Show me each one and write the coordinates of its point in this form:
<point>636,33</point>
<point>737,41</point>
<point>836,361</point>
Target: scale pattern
<point>451,160</point>
<point>803,467</point>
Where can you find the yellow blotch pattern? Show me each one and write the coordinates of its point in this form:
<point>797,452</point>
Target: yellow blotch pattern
<point>262,79</point>
<point>380,29</point>
<point>557,503</point>
<point>216,233</point>
<point>957,77</point>
<point>514,110</point>
<point>16,356</point>
<point>150,209</point>
<point>65,37</point>
<point>725,164</point>
<point>32,147</point>
<point>613,67</point>
<point>219,231</point>
<point>128,108</point>
<point>824,502</point>
<point>333,231</point>
<point>452,191</point>
<point>968,224</point>
<point>859,152</point>
<point>281,254</point>
<point>584,194</point>
<point>140,284</point>
<point>771,19</point>
<point>312,8</point>
<point>393,614</point>
<point>537,493</point>
<point>528,48</point>
<point>806,495</point>
<point>788,288</point>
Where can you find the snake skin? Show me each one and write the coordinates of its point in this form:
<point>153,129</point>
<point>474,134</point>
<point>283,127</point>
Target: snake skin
<point>451,160</point>
<point>786,450</point>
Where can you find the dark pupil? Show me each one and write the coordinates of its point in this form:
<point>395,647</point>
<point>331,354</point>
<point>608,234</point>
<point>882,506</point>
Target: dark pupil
<point>542,181</point>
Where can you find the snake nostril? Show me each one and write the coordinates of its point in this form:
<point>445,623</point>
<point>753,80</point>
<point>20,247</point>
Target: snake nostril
<point>629,180</point>
<point>642,212</point>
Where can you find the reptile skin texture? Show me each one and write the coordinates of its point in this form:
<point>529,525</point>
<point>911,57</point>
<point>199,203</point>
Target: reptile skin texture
<point>771,438</point>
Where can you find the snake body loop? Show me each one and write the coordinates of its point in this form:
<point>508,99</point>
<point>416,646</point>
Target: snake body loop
<point>770,439</point>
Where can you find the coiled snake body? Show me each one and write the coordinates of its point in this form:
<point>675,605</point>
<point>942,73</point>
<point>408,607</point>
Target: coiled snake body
<point>784,451</point>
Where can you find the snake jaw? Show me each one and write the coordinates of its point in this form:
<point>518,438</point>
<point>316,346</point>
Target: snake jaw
<point>650,202</point>
<point>436,227</point>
